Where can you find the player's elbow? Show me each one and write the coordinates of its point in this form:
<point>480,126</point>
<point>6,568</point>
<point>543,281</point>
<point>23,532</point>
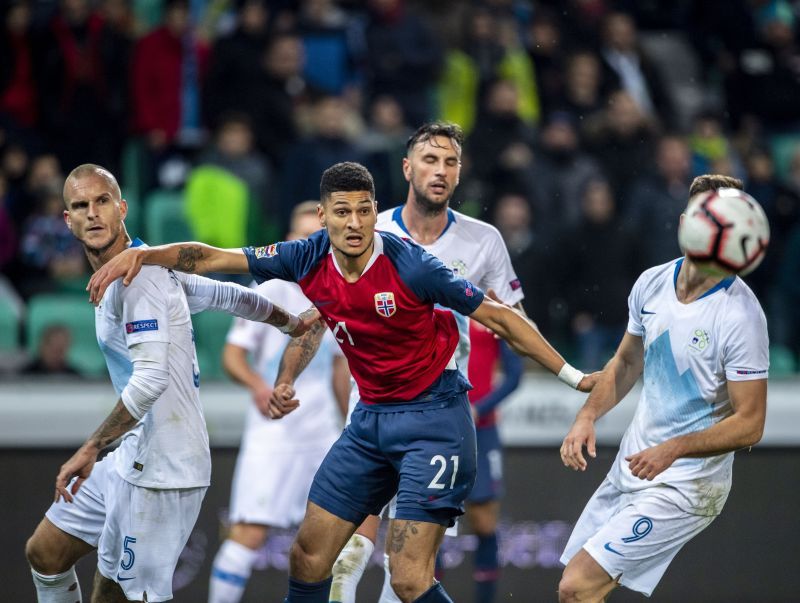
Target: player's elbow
<point>754,434</point>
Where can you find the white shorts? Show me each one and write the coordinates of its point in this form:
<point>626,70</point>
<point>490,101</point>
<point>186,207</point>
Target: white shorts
<point>270,487</point>
<point>634,536</point>
<point>139,532</point>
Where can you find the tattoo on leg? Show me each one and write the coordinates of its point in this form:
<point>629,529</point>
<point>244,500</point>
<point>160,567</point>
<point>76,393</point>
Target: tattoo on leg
<point>400,533</point>
<point>187,258</point>
<point>106,591</point>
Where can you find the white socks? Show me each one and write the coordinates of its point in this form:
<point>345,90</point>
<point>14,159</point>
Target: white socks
<point>230,572</point>
<point>349,568</point>
<point>61,588</point>
<point>387,594</point>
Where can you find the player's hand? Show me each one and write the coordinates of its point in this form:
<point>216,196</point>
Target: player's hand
<point>308,319</point>
<point>589,381</point>
<point>126,264</point>
<point>261,394</point>
<point>581,434</point>
<point>80,466</point>
<point>282,401</point>
<point>649,462</point>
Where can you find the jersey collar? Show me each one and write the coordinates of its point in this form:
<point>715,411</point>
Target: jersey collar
<point>723,284</point>
<point>397,216</point>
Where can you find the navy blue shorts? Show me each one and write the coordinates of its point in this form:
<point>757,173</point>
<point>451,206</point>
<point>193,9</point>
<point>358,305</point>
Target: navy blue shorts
<point>489,481</point>
<point>423,451</point>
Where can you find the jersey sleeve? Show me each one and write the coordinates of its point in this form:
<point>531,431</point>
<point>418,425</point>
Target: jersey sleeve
<point>145,313</point>
<point>286,260</point>
<point>432,281</point>
<point>745,354</point>
<point>501,278</point>
<point>635,326</point>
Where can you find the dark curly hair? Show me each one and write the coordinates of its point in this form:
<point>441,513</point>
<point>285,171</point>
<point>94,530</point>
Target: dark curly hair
<point>345,177</point>
<point>437,128</point>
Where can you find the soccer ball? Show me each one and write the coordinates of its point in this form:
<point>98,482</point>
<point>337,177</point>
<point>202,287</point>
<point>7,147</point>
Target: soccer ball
<point>724,231</point>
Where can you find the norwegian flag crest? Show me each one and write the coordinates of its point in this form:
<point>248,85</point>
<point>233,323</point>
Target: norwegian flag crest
<point>384,304</point>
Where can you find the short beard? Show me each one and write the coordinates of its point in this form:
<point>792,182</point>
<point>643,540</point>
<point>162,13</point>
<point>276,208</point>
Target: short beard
<point>99,251</point>
<point>428,207</point>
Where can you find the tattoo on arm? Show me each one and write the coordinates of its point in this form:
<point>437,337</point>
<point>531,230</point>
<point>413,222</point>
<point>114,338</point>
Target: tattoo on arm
<point>120,421</point>
<point>299,353</point>
<point>187,258</point>
<point>401,530</point>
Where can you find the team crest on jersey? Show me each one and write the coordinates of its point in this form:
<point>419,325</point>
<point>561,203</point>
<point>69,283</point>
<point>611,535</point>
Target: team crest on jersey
<point>459,268</point>
<point>384,304</point>
<point>699,340</point>
<point>266,252</point>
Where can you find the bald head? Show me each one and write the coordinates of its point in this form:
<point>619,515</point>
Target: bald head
<point>88,170</point>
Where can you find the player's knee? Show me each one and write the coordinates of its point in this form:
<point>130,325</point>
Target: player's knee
<point>572,588</point>
<point>41,557</point>
<point>408,587</point>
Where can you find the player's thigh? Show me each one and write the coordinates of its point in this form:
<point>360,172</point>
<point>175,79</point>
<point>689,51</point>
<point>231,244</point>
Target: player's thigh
<point>489,477</point>
<point>356,479</point>
<point>437,462</point>
<point>584,580</point>
<point>51,550</point>
<point>145,533</point>
<point>106,591</point>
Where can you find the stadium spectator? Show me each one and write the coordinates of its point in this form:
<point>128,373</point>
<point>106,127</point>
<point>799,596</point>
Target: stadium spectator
<point>657,200</point>
<point>583,93</point>
<point>83,85</point>
<point>710,146</point>
<point>628,67</point>
<point>621,139</point>
<point>235,62</point>
<point>563,170</point>
<point>403,57</point>
<point>545,48</point>
<point>598,239</point>
<point>19,94</point>
<point>8,230</point>
<point>51,355</point>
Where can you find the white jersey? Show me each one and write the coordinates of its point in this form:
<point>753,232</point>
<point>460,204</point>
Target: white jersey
<point>691,352</point>
<point>168,448</point>
<point>475,251</point>
<point>317,420</point>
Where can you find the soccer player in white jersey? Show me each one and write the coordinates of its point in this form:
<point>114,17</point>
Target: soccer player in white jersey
<point>138,505</point>
<point>475,251</point>
<point>277,459</point>
<point>700,342</point>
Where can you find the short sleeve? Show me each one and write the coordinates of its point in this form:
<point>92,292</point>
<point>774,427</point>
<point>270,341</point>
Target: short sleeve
<point>635,326</point>
<point>286,260</point>
<point>434,282</point>
<point>745,353</point>
<point>501,277</point>
<point>145,311</point>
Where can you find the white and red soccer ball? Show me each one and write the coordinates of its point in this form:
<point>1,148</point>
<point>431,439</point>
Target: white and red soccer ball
<point>725,230</point>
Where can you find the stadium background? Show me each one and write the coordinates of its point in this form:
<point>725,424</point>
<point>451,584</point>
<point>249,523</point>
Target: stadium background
<point>585,122</point>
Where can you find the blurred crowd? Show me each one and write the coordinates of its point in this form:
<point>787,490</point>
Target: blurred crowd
<point>586,121</point>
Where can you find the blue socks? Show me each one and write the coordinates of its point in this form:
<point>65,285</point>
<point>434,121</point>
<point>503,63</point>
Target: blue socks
<point>435,594</point>
<point>487,569</point>
<point>311,592</point>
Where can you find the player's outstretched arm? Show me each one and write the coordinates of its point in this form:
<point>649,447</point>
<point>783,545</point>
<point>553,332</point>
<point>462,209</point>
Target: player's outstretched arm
<point>525,339</point>
<point>613,384</point>
<point>196,258</point>
<point>741,429</point>
<point>81,463</point>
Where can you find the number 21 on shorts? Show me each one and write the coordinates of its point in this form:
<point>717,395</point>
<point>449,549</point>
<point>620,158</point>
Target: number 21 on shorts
<point>441,461</point>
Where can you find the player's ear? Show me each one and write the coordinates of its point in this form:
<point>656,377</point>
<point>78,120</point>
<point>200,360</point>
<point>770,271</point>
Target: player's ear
<point>321,213</point>
<point>67,221</point>
<point>407,169</point>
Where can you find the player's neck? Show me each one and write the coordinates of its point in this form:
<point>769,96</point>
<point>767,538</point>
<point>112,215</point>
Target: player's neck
<point>98,257</point>
<point>353,267</point>
<point>693,283</point>
<point>423,225</point>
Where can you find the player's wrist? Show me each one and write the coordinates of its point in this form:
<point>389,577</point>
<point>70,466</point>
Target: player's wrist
<point>290,324</point>
<point>570,375</point>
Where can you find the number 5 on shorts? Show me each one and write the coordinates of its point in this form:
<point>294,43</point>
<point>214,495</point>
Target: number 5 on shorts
<point>442,462</point>
<point>128,555</point>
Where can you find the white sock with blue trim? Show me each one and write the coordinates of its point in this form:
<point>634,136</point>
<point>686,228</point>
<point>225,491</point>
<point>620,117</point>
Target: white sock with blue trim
<point>230,572</point>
